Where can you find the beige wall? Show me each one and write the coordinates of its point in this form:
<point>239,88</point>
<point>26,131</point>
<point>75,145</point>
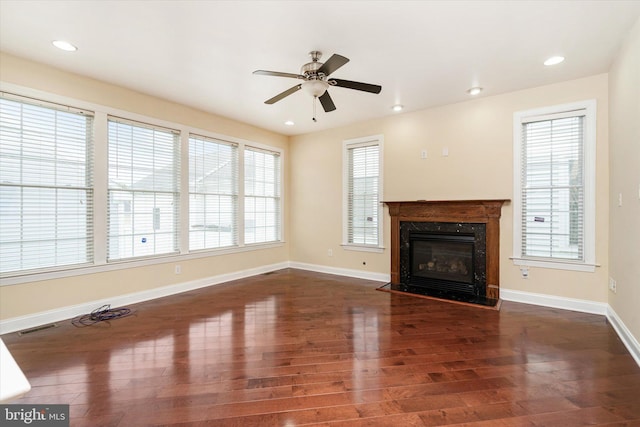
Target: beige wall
<point>479,137</point>
<point>30,298</point>
<point>624,86</point>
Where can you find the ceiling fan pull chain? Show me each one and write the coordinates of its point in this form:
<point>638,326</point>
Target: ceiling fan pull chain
<point>314,108</point>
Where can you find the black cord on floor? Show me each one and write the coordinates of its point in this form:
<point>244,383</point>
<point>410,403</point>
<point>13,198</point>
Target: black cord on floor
<point>104,313</point>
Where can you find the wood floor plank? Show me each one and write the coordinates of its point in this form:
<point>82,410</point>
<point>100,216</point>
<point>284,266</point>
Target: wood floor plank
<point>296,348</point>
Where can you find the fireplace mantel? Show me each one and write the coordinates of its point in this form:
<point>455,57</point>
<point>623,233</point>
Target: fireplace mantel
<point>452,211</point>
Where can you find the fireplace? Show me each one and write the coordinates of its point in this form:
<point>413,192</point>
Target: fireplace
<point>446,249</point>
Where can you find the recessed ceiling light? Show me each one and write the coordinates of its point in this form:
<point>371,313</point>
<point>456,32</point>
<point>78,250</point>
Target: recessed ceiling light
<point>554,60</point>
<point>64,45</point>
<point>474,91</point>
<point>397,107</point>
<point>289,123</point>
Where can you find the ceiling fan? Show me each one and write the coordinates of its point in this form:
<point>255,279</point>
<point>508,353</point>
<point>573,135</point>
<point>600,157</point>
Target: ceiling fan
<point>315,80</point>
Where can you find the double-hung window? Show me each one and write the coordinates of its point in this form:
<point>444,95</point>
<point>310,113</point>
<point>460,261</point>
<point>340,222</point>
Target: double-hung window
<point>213,193</point>
<point>143,190</point>
<point>261,196</point>
<point>46,186</point>
<point>554,205</point>
<point>362,193</point>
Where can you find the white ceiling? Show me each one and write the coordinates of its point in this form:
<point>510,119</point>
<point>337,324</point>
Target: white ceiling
<point>423,53</point>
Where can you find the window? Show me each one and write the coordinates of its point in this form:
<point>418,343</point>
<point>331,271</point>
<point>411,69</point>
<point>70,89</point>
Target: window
<point>362,223</point>
<point>46,214</point>
<point>92,191</point>
<point>261,196</point>
<point>555,176</point>
<point>142,191</point>
<point>213,193</point>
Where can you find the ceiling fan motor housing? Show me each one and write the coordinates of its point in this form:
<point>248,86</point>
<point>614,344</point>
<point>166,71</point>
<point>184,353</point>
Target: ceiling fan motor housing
<point>310,68</point>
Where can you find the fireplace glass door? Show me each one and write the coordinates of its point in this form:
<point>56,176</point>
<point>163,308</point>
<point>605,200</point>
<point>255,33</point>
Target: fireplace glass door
<point>442,258</point>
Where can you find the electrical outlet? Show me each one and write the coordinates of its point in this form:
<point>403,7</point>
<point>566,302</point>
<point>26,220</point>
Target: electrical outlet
<point>178,269</point>
<point>423,154</point>
<point>524,271</point>
<point>613,285</point>
<point>330,252</point>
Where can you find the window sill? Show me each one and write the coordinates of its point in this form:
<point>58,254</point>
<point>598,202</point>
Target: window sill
<point>558,265</point>
<point>363,248</point>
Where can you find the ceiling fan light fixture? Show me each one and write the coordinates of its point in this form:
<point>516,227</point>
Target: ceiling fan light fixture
<point>554,60</point>
<point>474,91</point>
<point>315,87</point>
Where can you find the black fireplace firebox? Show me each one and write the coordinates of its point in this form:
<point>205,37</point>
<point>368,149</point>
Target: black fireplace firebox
<point>444,259</point>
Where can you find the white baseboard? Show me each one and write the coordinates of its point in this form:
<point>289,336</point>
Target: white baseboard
<point>51,316</point>
<point>583,306</point>
<point>553,301</point>
<point>359,274</point>
<point>624,333</point>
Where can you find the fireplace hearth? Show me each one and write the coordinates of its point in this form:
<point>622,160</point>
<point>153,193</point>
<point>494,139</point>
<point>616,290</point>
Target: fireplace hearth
<point>446,249</point>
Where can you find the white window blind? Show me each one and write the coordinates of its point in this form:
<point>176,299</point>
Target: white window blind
<point>553,187</point>
<point>261,196</point>
<point>46,186</point>
<point>143,190</point>
<point>363,192</point>
<point>213,193</point>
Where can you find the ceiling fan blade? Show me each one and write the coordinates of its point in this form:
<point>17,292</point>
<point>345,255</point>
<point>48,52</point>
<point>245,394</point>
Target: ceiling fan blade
<point>336,61</point>
<point>365,87</point>
<point>327,102</point>
<point>278,74</point>
<point>284,94</point>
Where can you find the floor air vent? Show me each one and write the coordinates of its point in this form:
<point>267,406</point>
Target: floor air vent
<point>37,328</point>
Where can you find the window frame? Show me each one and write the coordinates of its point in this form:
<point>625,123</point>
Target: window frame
<point>89,183</point>
<point>137,192</point>
<point>588,110</point>
<point>373,140</point>
<point>277,197</point>
<point>234,194</point>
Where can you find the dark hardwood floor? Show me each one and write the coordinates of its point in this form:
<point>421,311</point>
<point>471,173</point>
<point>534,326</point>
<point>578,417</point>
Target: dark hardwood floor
<point>296,348</point>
